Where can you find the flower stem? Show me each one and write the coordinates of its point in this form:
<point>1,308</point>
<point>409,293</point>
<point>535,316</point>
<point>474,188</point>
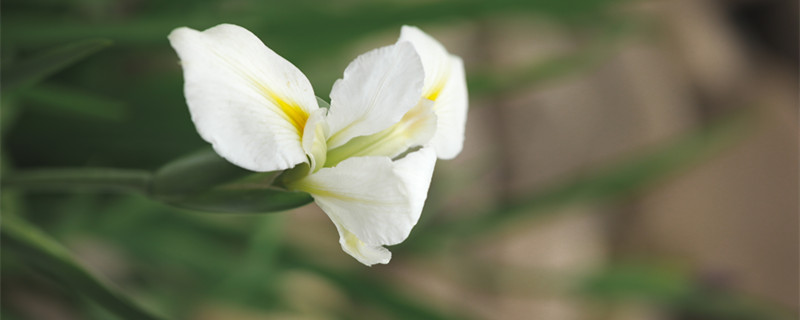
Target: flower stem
<point>71,179</point>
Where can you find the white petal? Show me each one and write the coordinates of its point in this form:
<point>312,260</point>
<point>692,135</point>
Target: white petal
<point>372,200</point>
<point>364,253</point>
<point>247,101</point>
<point>450,108</point>
<point>416,169</point>
<point>377,89</point>
<point>433,55</point>
<point>445,83</point>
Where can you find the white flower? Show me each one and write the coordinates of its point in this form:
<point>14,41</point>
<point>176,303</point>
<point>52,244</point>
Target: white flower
<point>358,159</point>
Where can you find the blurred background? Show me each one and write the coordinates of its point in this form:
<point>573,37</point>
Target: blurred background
<point>623,160</point>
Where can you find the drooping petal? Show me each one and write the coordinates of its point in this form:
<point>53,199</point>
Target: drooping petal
<point>446,85</point>
<point>416,170</point>
<point>248,102</point>
<point>372,200</point>
<point>364,253</point>
<point>377,89</point>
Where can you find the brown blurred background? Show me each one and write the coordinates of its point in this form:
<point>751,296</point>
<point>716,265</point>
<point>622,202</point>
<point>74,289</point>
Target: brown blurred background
<point>732,219</point>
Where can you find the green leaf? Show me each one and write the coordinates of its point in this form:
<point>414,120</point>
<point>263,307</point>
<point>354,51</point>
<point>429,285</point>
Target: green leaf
<point>73,101</point>
<point>35,69</point>
<point>38,251</point>
<point>205,181</point>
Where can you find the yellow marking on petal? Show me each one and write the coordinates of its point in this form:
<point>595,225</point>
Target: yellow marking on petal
<point>434,92</point>
<point>309,187</point>
<point>291,111</point>
<point>353,242</point>
<point>299,181</point>
<point>434,89</point>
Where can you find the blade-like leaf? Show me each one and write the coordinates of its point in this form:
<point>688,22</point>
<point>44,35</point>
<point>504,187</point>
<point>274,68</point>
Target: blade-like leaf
<point>40,252</point>
<point>74,102</point>
<point>30,71</point>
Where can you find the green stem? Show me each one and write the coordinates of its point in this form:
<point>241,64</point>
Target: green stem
<point>104,179</point>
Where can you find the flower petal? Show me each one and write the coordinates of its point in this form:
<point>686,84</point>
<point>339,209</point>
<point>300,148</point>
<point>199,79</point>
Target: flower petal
<point>377,89</point>
<point>364,253</point>
<point>445,83</point>
<point>247,101</point>
<point>372,200</point>
<point>416,170</point>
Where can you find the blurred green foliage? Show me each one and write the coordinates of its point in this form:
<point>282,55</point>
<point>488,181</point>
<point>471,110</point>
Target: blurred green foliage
<point>141,70</point>
<point>32,70</point>
<point>37,251</point>
<point>678,291</point>
<point>73,100</point>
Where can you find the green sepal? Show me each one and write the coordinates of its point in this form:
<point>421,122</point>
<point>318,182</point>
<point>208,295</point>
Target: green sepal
<point>205,181</point>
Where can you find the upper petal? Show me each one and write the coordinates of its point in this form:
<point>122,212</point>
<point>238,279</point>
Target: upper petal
<point>450,108</point>
<point>377,89</point>
<point>248,102</point>
<point>445,84</point>
<point>372,200</point>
